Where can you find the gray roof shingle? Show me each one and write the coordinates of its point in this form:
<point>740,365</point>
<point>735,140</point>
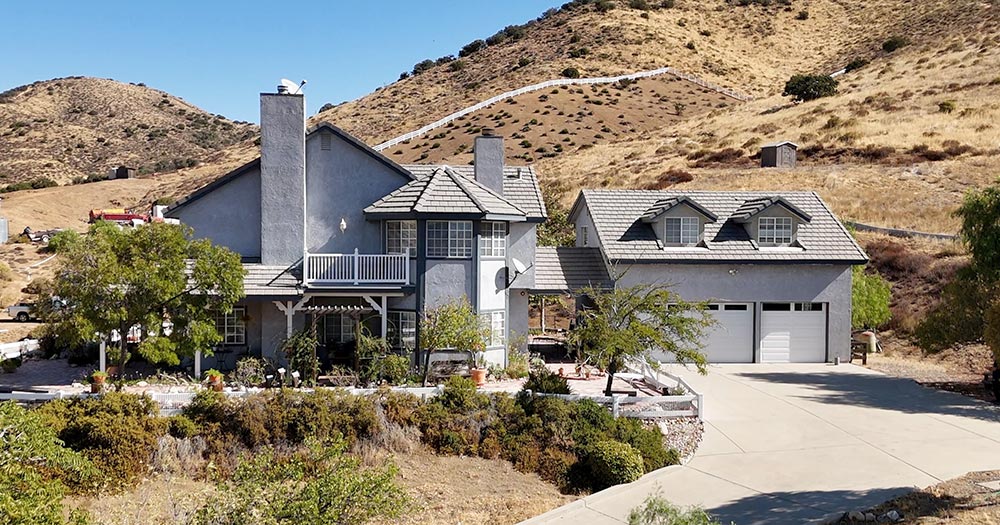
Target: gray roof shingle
<point>625,237</point>
<point>443,191</point>
<point>520,185</point>
<point>564,269</point>
<point>264,280</point>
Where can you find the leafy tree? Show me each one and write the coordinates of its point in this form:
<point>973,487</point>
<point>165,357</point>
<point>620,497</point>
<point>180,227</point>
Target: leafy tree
<point>33,467</point>
<point>115,279</point>
<point>658,511</point>
<point>810,87</point>
<point>969,310</point>
<point>571,72</point>
<point>631,323</point>
<point>453,325</point>
<point>556,230</point>
<point>472,47</point>
<point>422,66</point>
<point>870,295</point>
<point>320,485</point>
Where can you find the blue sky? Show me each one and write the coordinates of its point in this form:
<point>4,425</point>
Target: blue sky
<point>220,55</point>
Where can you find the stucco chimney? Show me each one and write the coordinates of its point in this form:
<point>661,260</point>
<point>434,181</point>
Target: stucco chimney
<point>282,177</point>
<point>488,160</point>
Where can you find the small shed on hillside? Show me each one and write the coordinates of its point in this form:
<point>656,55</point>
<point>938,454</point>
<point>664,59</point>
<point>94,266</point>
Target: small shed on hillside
<point>121,172</point>
<point>778,154</point>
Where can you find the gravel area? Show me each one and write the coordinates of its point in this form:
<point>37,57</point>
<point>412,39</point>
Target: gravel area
<point>682,434</point>
<point>957,370</point>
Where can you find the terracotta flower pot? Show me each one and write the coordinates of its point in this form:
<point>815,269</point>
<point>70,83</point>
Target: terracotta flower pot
<point>479,376</point>
<point>95,387</point>
<point>216,383</point>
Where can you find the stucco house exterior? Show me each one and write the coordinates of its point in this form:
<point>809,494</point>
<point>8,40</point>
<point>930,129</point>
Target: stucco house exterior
<point>331,231</point>
<point>775,266</point>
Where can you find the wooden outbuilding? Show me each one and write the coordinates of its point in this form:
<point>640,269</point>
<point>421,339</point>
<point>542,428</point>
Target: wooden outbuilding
<point>778,154</point>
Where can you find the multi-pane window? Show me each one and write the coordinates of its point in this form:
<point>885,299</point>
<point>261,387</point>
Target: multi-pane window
<point>402,328</point>
<point>774,230</point>
<point>681,230</point>
<point>449,239</point>
<point>495,322</point>
<point>231,326</point>
<point>493,239</point>
<point>584,236</point>
<point>401,237</point>
<point>335,328</point>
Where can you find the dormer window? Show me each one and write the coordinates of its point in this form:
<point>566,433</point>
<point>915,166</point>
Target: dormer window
<point>681,230</point>
<point>774,231</point>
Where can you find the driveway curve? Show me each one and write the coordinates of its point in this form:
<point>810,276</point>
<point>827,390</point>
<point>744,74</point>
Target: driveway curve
<point>797,443</point>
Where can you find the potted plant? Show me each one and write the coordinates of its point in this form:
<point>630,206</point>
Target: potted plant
<point>479,368</point>
<point>214,379</point>
<point>97,379</point>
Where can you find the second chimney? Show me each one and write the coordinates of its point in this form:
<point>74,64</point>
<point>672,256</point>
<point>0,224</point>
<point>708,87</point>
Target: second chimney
<point>488,160</point>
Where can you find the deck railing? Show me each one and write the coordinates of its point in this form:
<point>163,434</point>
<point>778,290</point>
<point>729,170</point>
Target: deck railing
<point>337,269</point>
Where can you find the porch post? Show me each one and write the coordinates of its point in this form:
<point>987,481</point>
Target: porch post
<point>104,355</point>
<point>289,318</point>
<point>385,319</point>
<point>197,364</point>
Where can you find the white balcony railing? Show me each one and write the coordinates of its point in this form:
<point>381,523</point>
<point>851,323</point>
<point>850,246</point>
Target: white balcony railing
<point>338,269</point>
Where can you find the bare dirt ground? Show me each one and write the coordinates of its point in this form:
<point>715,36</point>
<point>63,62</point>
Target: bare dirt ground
<point>960,501</point>
<point>955,370</point>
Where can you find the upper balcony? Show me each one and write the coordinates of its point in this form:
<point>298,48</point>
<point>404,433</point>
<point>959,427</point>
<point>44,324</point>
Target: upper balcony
<point>343,270</point>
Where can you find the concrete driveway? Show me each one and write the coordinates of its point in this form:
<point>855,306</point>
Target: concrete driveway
<point>795,443</point>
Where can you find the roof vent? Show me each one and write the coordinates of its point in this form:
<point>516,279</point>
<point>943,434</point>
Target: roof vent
<point>513,174</point>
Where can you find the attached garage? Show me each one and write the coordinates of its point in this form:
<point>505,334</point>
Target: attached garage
<point>730,340</point>
<point>793,333</point>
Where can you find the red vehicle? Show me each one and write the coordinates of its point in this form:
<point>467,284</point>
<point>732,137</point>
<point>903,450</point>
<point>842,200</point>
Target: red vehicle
<point>120,215</point>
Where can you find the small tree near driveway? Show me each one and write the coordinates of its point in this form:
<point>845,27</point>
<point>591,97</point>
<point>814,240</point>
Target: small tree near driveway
<point>453,325</point>
<point>154,276</point>
<point>631,323</point>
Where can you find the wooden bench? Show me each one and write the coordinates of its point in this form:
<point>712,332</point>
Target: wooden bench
<point>859,349</point>
<point>443,364</point>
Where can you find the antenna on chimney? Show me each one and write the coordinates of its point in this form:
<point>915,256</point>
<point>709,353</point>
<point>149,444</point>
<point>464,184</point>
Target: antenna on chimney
<point>287,87</point>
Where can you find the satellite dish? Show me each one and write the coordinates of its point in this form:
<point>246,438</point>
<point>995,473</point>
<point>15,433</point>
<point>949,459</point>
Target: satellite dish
<point>291,87</point>
<point>519,266</point>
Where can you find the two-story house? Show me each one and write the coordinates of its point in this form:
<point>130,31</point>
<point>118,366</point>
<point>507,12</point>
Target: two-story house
<point>334,233</point>
<point>775,267</point>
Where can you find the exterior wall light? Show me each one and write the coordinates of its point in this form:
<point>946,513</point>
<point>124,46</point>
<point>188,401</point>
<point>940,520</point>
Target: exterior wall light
<point>343,224</point>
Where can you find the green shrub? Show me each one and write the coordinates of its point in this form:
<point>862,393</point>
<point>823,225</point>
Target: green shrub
<point>613,463</point>
<point>517,365</point>
<point>472,47</point>
<point>321,484</point>
<point>856,64</point>
<point>642,5</point>
<point>946,106</point>
<point>894,43</point>
<point>423,65</point>
<point>6,274</point>
<point>803,15</point>
<point>181,427</point>
<point>456,65</point>
<point>118,432</point>
<point>249,372</point>
<point>545,381</point>
<point>647,441</point>
<point>603,6</point>
<point>571,72</point>
<point>810,87</point>
<point>658,511</point>
<point>36,470</point>
<point>63,241</point>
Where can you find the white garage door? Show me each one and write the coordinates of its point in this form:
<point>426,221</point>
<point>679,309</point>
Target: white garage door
<point>793,333</point>
<point>730,340</point>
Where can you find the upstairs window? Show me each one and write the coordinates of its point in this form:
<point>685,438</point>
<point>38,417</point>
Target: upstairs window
<point>774,231</point>
<point>450,239</point>
<point>584,236</point>
<point>401,237</point>
<point>493,240</point>
<point>681,231</point>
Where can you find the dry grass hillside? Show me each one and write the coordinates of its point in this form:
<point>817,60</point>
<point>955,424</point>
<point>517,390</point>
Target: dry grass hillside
<point>751,48</point>
<point>78,127</point>
<point>905,138</point>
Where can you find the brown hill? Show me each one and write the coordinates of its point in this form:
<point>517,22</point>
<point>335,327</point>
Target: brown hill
<point>71,128</point>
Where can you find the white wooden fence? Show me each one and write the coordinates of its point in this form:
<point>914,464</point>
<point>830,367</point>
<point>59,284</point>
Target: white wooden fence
<point>15,350</point>
<point>560,82</point>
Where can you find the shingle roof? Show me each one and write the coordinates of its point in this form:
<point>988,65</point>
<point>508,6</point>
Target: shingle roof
<point>780,143</point>
<point>624,237</point>
<point>751,207</point>
<point>520,185</point>
<point>271,280</point>
<point>565,269</point>
<point>443,192</point>
<point>663,205</point>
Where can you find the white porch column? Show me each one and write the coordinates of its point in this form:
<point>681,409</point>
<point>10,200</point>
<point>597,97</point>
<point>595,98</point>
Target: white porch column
<point>197,364</point>
<point>385,318</point>
<point>289,308</point>
<point>104,356</point>
<point>380,308</point>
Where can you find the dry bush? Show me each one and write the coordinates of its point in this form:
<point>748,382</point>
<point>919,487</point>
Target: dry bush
<point>669,178</point>
<point>895,260</point>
